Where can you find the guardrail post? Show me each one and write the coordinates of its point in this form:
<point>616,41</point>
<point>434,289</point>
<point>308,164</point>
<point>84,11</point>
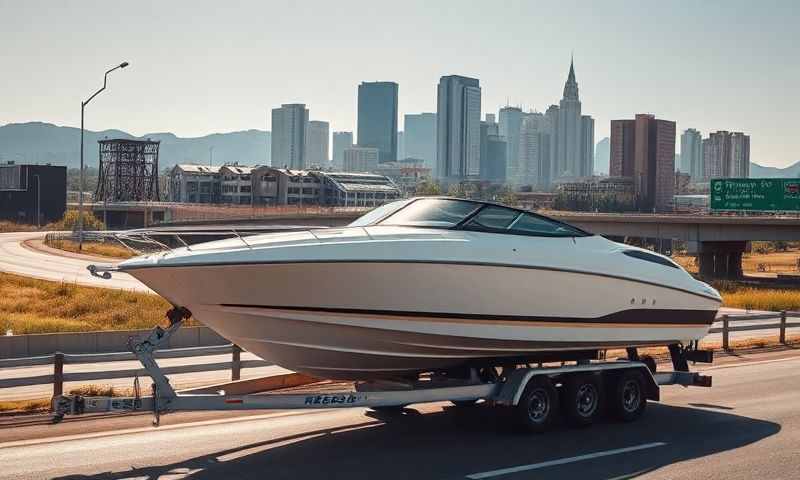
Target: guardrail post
<point>58,374</point>
<point>725,333</point>
<point>783,327</point>
<point>236,363</point>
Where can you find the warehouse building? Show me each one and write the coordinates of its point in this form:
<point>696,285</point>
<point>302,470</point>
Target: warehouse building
<point>31,191</point>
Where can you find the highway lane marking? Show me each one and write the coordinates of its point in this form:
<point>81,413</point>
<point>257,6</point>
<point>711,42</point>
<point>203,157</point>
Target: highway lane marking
<point>562,461</point>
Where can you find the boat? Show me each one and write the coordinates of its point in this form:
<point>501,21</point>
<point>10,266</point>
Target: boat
<point>430,284</point>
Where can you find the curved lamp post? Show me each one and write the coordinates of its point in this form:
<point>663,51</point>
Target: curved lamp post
<point>80,193</point>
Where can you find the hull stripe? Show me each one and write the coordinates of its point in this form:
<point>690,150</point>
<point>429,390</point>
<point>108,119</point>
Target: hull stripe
<point>632,317</point>
<point>132,270</point>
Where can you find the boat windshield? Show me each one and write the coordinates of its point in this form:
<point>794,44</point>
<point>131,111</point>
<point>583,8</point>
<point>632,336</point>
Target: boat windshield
<point>432,212</point>
<point>466,215</point>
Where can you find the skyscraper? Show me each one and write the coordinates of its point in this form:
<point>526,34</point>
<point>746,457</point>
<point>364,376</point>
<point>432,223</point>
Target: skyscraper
<point>377,118</point>
<point>574,134</point>
<point>419,136</point>
<point>726,155</point>
<point>458,131</point>
<point>510,124</point>
<point>341,142</point>
<point>317,142</point>
<point>289,135</point>
<point>692,154</point>
<point>493,152</point>
<point>644,150</point>
<point>534,151</point>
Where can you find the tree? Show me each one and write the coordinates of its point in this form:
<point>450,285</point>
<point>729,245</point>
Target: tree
<point>428,188</point>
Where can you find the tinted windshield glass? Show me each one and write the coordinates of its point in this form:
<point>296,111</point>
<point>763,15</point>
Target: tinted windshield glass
<point>434,212</point>
<point>534,225</point>
<point>499,219</point>
<point>374,215</point>
<point>492,218</point>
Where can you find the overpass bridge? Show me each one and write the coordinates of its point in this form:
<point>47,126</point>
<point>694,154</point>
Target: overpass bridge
<point>720,239</point>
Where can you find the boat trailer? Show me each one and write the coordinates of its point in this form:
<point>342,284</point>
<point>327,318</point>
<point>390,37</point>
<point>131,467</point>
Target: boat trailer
<point>532,390</point>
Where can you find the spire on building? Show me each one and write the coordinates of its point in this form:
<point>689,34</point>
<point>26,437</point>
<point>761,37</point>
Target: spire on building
<point>571,87</point>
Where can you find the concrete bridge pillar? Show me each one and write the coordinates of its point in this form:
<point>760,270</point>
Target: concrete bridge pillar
<point>721,260</point>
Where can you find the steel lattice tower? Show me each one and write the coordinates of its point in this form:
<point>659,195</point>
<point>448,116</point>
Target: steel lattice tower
<point>128,171</point>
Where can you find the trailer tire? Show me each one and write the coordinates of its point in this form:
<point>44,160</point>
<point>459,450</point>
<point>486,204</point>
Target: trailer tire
<point>630,396</point>
<point>582,399</point>
<point>537,407</point>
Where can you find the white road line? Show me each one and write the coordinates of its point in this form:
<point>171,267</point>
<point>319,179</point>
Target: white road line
<point>562,461</point>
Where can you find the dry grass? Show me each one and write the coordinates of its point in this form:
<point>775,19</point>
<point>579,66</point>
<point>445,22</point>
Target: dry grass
<point>93,248</point>
<point>762,299</point>
<point>40,405</point>
<point>6,226</point>
<point>38,306</point>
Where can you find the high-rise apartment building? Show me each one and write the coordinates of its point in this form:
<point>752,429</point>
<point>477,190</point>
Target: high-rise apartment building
<point>692,154</point>
<point>289,124</point>
<point>361,159</point>
<point>739,166</point>
<point>644,149</point>
<point>341,142</point>
<point>458,131</point>
<point>419,136</point>
<point>317,142</point>
<point>377,118</point>
<point>726,155</point>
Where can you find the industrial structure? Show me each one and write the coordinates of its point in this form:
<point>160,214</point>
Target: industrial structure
<point>128,171</point>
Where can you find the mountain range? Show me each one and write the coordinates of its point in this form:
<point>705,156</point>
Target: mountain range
<point>38,142</point>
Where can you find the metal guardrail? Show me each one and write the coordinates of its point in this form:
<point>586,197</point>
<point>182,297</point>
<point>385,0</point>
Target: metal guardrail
<point>782,325</point>
<point>58,359</point>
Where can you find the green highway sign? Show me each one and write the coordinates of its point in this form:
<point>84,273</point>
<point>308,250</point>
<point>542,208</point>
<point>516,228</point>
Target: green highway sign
<point>756,194</point>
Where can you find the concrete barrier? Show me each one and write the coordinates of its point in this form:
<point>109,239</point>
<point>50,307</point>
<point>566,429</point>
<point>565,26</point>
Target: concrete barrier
<point>16,346</point>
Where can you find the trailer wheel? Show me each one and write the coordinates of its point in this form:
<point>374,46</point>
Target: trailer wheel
<point>581,399</point>
<point>537,406</point>
<point>630,398</point>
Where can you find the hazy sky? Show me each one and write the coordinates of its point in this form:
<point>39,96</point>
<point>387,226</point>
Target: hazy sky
<point>216,66</point>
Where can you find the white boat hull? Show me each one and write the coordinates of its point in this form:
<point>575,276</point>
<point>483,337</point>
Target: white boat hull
<point>366,319</point>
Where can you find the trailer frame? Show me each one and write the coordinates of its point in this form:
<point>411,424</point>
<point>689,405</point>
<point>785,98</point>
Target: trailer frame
<point>504,392</point>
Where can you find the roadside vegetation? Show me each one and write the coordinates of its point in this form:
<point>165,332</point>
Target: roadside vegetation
<point>38,306</point>
<point>103,249</point>
<point>750,298</point>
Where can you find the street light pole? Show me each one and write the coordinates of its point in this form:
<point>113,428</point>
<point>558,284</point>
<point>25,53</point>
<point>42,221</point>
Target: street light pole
<point>82,182</point>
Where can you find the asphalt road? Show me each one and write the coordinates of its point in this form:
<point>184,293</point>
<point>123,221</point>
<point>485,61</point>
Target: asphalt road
<point>21,260</point>
<point>747,426</point>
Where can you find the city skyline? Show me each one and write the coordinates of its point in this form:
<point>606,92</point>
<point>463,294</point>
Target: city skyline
<point>182,80</point>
